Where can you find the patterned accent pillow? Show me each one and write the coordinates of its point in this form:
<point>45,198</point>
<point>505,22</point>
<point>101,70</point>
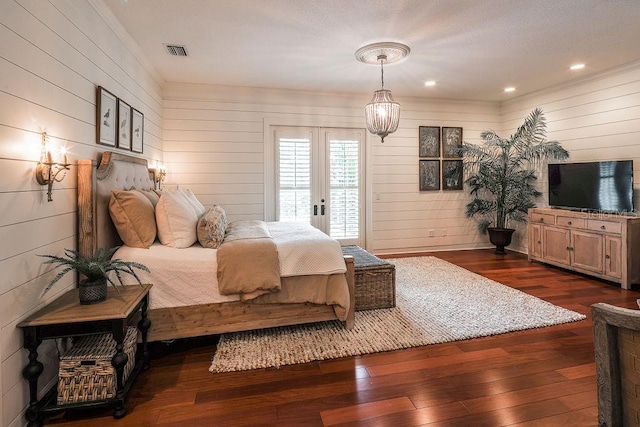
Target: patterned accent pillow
<point>211,227</point>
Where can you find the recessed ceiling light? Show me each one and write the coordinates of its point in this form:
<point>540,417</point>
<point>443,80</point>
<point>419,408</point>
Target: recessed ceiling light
<point>577,66</point>
<point>430,83</point>
<point>509,89</point>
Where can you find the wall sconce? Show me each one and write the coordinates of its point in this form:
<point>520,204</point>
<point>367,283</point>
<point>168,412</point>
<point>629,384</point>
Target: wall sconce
<point>49,171</point>
<point>159,174</point>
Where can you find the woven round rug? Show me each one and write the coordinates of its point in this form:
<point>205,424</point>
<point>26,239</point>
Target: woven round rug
<point>436,302</point>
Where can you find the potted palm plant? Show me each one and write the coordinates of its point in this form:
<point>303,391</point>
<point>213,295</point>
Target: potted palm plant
<point>95,270</point>
<point>501,173</point>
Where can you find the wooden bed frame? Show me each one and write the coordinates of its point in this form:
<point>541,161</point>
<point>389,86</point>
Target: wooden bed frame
<point>96,179</point>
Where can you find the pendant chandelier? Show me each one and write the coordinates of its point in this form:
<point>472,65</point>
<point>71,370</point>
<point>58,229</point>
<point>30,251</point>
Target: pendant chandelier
<point>382,113</point>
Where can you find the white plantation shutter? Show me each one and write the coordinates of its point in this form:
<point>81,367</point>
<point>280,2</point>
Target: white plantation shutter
<point>295,180</point>
<point>344,193</point>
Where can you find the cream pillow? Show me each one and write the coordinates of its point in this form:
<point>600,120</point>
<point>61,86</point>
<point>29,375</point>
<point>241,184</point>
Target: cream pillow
<point>211,227</point>
<point>191,200</point>
<point>176,221</point>
<point>152,196</point>
<point>194,201</point>
<point>133,215</point>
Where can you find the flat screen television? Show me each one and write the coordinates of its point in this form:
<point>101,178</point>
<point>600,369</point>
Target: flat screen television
<point>592,186</point>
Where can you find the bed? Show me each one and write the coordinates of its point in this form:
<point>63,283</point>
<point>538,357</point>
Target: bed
<point>184,317</point>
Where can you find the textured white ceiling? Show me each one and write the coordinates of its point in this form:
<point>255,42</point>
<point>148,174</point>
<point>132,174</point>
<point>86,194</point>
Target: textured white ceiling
<point>471,48</point>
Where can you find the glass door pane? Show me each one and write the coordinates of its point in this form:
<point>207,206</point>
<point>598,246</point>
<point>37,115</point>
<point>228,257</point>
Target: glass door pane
<point>343,184</point>
<point>294,178</point>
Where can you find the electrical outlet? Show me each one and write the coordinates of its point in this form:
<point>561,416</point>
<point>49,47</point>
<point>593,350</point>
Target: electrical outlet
<point>432,232</point>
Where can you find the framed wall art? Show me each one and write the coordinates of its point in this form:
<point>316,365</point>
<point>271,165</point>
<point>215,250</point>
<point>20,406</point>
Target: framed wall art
<point>106,112</point>
<point>124,125</point>
<point>451,141</point>
<point>429,141</point>
<point>137,131</point>
<point>452,174</point>
<point>429,175</point>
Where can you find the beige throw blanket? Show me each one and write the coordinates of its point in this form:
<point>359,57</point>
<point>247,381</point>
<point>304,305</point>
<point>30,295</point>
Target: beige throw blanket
<point>248,261</point>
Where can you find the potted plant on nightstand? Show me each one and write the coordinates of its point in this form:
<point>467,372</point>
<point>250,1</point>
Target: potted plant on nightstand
<point>501,173</point>
<point>95,270</point>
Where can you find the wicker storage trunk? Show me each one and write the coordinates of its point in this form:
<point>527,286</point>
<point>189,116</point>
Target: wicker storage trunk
<point>375,280</point>
<point>86,373</point>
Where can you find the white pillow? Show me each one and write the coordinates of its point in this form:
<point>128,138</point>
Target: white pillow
<point>176,221</point>
<point>195,202</point>
<point>191,200</point>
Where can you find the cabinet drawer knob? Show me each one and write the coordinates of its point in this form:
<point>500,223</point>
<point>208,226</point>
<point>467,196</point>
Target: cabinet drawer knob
<point>602,227</point>
<point>541,219</point>
<point>539,242</point>
<point>607,256</point>
<point>569,248</point>
<point>569,223</point>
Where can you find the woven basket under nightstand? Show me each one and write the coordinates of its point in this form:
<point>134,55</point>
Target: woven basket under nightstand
<point>86,373</point>
<point>375,281</point>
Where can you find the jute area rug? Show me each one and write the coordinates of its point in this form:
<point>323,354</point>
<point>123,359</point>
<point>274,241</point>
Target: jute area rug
<point>436,302</point>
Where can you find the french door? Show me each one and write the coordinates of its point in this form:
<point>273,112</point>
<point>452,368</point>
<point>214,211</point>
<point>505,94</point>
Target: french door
<point>319,179</point>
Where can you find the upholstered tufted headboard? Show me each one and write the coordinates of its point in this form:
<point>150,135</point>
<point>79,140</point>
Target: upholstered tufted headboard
<point>115,171</point>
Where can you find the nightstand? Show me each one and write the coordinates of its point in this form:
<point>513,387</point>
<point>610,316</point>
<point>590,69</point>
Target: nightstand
<point>66,317</point>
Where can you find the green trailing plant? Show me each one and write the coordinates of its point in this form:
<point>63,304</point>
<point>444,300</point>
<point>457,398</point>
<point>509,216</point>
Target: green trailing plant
<point>95,267</point>
<point>501,172</point>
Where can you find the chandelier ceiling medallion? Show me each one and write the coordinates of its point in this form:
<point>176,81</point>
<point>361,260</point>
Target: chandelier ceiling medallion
<point>382,113</point>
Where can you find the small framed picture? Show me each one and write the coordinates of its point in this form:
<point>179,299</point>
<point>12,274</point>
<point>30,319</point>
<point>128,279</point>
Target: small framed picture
<point>106,111</point>
<point>451,142</point>
<point>137,131</point>
<point>452,174</point>
<point>429,141</point>
<point>429,172</point>
<point>124,125</point>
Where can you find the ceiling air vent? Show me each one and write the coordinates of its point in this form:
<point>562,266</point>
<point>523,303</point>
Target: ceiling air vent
<point>176,49</point>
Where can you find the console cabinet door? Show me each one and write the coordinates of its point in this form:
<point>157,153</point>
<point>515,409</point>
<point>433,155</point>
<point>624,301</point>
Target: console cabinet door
<point>587,251</point>
<point>535,240</point>
<point>556,244</point>
<point>613,256</point>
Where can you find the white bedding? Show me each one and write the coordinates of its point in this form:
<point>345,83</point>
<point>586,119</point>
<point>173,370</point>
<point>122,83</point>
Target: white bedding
<point>188,276</point>
<point>305,250</point>
<point>180,277</point>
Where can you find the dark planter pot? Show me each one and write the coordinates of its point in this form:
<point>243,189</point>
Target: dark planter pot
<point>92,292</point>
<point>500,237</point>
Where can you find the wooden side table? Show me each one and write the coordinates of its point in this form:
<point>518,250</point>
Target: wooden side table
<point>66,317</point>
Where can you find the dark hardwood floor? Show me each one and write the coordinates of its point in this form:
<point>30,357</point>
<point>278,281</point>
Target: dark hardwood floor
<point>539,377</point>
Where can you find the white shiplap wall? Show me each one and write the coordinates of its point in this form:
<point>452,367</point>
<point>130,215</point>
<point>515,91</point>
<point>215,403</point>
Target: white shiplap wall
<point>214,143</point>
<point>594,119</point>
<point>52,56</point>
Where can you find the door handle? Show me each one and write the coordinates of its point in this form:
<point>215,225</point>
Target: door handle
<point>322,207</point>
<point>315,210</point>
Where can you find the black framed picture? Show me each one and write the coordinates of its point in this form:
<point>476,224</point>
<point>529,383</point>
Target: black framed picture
<point>451,141</point>
<point>429,141</point>
<point>452,174</point>
<point>429,175</point>
<point>137,131</point>
<point>106,111</point>
<point>124,125</point>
